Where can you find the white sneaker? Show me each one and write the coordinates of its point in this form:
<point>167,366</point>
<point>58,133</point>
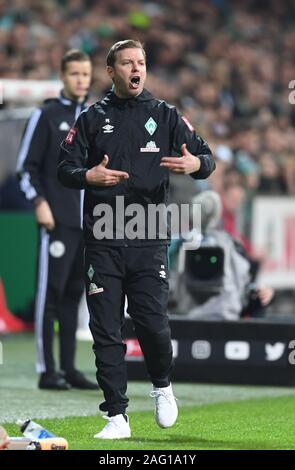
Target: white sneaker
<point>166,411</point>
<point>116,428</point>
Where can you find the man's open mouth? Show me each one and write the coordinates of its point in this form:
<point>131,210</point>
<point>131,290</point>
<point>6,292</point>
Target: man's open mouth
<point>135,81</point>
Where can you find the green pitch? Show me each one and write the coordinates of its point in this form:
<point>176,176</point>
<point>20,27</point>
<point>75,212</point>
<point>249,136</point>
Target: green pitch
<point>211,416</point>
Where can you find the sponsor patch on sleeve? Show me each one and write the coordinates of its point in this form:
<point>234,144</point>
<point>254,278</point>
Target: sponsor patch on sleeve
<point>71,135</point>
<point>189,125</point>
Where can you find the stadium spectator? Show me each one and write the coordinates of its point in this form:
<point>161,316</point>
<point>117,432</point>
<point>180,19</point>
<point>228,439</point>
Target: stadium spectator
<point>233,197</point>
<point>228,65</point>
<point>57,210</point>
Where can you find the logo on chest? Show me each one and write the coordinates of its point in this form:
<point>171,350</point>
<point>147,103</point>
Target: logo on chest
<point>151,126</point>
<point>107,128</point>
<point>64,126</point>
<point>150,147</point>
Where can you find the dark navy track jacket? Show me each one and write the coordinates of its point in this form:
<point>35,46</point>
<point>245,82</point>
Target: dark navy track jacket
<point>135,133</point>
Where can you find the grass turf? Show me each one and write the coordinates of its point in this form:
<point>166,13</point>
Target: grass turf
<point>211,416</point>
<point>263,424</point>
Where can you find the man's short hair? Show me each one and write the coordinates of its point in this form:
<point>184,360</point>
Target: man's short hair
<point>119,46</point>
<point>73,55</point>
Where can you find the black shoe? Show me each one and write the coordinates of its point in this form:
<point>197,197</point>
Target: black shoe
<point>53,381</point>
<point>78,380</point>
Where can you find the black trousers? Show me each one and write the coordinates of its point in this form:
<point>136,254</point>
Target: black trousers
<point>141,275</point>
<point>59,289</point>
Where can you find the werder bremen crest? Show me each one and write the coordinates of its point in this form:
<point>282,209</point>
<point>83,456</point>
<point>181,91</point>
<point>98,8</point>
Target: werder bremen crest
<point>90,272</point>
<point>151,126</point>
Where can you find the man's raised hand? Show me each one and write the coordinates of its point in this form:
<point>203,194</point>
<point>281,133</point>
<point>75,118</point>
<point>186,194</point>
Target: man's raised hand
<point>100,175</point>
<point>186,164</point>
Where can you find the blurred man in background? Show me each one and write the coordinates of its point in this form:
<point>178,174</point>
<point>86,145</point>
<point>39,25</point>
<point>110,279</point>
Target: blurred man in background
<point>57,209</point>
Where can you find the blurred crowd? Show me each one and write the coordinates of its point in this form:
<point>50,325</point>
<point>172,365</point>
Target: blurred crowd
<point>226,64</point>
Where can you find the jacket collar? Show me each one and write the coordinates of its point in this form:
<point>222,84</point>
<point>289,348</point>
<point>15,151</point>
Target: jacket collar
<point>68,102</point>
<point>145,95</point>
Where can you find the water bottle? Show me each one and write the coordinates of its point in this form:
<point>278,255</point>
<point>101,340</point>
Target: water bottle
<point>33,430</point>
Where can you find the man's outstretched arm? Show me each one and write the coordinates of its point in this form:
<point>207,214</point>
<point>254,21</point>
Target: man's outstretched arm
<point>195,157</point>
<point>73,170</point>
